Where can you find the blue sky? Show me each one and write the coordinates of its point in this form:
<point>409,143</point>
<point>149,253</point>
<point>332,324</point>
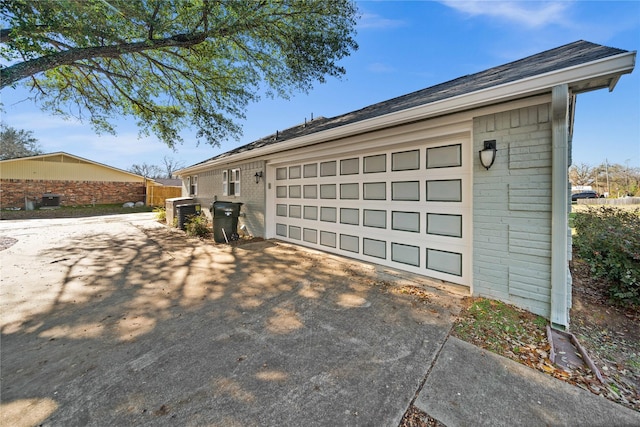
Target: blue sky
<point>404,46</point>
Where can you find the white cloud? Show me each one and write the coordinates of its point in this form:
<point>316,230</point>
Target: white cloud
<point>379,67</point>
<point>369,20</point>
<point>531,14</point>
<point>38,121</point>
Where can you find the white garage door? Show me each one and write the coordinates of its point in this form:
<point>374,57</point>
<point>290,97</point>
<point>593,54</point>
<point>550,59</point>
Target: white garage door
<point>408,208</point>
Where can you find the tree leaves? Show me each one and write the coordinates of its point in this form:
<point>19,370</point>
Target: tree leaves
<point>16,143</point>
<point>173,64</point>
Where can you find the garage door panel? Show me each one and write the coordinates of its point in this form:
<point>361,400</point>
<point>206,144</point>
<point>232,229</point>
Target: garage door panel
<point>310,235</point>
<point>444,157</point>
<point>405,160</point>
<point>406,208</point>
<point>405,191</point>
<point>444,224</point>
<point>350,243</point>
<point>295,211</point>
<point>295,232</point>
<point>328,238</point>
<point>350,191</point>
<point>374,191</point>
<point>444,261</point>
<point>350,216</point>
<point>405,221</point>
<point>328,191</point>
<point>444,190</point>
<point>350,166</point>
<point>328,168</point>
<point>310,170</point>
<point>374,164</point>
<point>375,248</point>
<point>375,218</point>
<point>310,212</point>
<point>405,254</point>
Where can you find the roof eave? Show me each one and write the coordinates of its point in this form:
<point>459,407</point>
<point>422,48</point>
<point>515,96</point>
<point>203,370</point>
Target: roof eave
<point>605,72</point>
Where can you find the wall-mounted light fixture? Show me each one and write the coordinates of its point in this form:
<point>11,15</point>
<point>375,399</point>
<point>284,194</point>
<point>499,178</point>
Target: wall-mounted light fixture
<point>488,153</point>
<point>257,176</point>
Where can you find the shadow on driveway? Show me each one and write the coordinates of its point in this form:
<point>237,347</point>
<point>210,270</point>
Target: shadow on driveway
<point>122,321</point>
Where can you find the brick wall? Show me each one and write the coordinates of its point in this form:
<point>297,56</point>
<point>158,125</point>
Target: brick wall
<point>512,209</point>
<point>13,192</point>
<point>252,195</point>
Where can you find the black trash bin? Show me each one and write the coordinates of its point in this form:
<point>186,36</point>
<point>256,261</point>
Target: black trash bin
<point>183,213</point>
<point>225,221</point>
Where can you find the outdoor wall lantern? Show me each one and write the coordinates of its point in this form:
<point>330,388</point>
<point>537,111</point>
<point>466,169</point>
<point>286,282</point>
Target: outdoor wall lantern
<point>257,176</point>
<point>488,153</point>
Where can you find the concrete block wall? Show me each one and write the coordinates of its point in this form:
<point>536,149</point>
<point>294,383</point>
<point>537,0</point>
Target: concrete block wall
<point>14,191</point>
<point>512,209</point>
<point>252,195</point>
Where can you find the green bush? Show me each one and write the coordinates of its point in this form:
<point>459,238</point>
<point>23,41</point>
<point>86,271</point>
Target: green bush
<point>161,213</point>
<point>608,239</point>
<point>196,225</point>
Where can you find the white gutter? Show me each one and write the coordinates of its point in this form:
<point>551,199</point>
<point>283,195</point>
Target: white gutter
<point>610,66</point>
<point>559,200</point>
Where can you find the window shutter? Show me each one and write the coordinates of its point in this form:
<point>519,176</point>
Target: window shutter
<point>236,179</point>
<point>225,183</point>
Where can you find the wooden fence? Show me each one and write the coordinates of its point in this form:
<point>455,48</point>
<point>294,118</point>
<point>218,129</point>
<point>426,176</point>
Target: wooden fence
<point>158,194</point>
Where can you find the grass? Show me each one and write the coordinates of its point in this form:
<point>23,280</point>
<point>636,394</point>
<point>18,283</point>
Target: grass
<point>499,327</point>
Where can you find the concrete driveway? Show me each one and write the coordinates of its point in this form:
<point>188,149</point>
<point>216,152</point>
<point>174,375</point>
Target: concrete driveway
<point>121,321</point>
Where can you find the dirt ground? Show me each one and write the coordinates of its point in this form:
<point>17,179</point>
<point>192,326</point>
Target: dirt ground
<point>610,334</point>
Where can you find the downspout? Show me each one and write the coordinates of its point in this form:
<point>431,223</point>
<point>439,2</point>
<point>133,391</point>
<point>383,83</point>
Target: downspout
<point>559,215</point>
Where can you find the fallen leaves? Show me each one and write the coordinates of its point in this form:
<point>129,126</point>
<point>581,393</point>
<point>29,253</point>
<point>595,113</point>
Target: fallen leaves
<point>520,336</point>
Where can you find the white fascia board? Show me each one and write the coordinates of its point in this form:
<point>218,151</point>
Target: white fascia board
<point>610,66</point>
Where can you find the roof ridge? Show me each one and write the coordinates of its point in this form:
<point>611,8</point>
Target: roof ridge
<point>565,56</point>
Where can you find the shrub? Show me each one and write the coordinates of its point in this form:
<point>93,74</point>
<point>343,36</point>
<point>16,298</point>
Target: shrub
<point>161,213</point>
<point>608,239</point>
<point>196,225</point>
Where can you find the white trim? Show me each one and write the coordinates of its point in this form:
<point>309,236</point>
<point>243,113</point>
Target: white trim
<point>235,177</point>
<point>193,184</point>
<point>231,176</point>
<point>611,66</point>
<point>559,200</point>
<point>444,126</point>
<point>225,182</point>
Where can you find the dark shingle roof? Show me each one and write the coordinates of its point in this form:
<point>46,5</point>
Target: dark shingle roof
<point>576,53</point>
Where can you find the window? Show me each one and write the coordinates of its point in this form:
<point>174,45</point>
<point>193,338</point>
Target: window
<point>231,182</point>
<point>192,185</point>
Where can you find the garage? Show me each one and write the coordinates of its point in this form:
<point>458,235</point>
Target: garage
<point>400,183</point>
<point>407,206</point>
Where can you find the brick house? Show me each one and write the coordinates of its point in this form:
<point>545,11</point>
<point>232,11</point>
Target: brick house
<point>76,180</point>
<point>400,183</point>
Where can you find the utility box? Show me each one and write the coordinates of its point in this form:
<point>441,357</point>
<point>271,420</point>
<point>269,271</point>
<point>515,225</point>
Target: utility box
<point>184,212</point>
<point>50,200</point>
<point>225,221</point>
<point>171,204</point>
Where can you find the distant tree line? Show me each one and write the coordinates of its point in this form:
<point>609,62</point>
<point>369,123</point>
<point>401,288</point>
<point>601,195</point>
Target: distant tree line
<point>16,143</point>
<point>615,180</point>
<point>166,170</point>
